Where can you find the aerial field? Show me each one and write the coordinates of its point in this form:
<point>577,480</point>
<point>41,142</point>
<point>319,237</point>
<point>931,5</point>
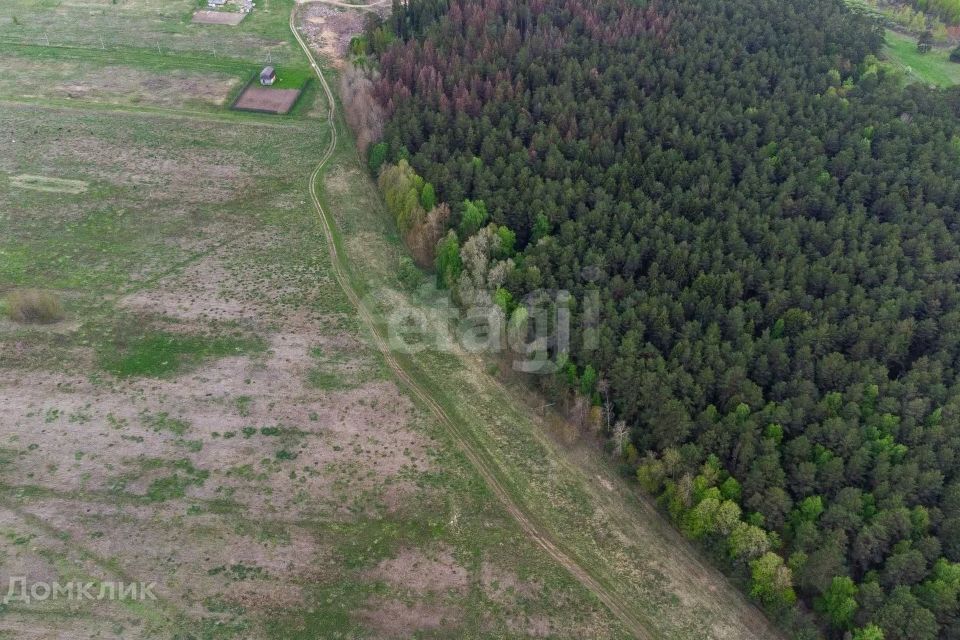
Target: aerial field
<point>137,27</point>
<point>211,414</point>
<point>207,415</point>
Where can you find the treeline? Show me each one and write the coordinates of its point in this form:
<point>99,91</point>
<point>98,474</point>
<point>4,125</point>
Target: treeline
<point>769,220</point>
<point>947,10</point>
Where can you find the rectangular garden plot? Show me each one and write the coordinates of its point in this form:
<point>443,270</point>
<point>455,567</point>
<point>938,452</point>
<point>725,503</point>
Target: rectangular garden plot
<point>267,100</point>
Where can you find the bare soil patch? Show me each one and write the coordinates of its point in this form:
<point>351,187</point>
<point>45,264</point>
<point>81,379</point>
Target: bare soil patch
<point>396,619</point>
<point>419,572</point>
<point>267,100</point>
<point>230,18</point>
<point>504,586</point>
<point>274,453</point>
<point>330,29</point>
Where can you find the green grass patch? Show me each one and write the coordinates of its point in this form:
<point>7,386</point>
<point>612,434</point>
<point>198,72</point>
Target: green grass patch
<point>326,380</point>
<point>157,354</point>
<point>933,67</point>
<point>163,422</point>
<point>173,486</point>
<point>292,77</point>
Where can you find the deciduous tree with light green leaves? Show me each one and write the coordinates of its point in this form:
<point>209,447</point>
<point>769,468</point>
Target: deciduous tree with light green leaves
<point>448,261</point>
<point>869,632</point>
<point>747,541</point>
<point>839,602</point>
<point>428,197</point>
<point>772,581</point>
<point>474,216</point>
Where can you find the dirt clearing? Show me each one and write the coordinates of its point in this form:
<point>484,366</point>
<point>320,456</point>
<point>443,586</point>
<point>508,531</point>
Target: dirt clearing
<point>266,100</point>
<point>330,29</point>
<point>230,18</point>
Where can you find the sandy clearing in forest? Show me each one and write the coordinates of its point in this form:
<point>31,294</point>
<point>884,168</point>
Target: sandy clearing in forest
<point>329,30</point>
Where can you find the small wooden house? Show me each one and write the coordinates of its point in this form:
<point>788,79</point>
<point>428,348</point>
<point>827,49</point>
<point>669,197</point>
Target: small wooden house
<point>268,76</point>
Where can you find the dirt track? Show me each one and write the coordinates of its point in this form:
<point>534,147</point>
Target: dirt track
<point>371,6</point>
<point>620,608</point>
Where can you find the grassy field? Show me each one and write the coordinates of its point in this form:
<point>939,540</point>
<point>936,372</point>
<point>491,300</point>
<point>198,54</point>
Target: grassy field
<point>208,415</point>
<point>933,67</point>
<point>212,416</point>
<point>159,26</point>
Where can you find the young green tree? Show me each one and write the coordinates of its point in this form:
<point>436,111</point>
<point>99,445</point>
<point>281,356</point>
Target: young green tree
<point>839,602</point>
<point>772,581</point>
<point>508,242</point>
<point>702,519</point>
<point>588,381</point>
<point>378,156</point>
<point>727,517</point>
<point>474,216</point>
<point>503,299</point>
<point>541,227</point>
<point>869,632</point>
<point>747,541</point>
<point>448,261</point>
<point>428,197</point>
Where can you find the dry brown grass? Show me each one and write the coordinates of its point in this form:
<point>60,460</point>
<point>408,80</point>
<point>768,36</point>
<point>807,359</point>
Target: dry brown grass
<point>29,306</point>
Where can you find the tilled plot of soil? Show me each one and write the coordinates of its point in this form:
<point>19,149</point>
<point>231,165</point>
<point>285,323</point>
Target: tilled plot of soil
<point>267,100</point>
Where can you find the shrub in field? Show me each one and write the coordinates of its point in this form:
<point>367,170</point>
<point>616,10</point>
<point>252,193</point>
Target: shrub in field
<point>38,307</point>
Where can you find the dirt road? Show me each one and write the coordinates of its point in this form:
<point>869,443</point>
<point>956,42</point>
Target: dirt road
<point>620,608</point>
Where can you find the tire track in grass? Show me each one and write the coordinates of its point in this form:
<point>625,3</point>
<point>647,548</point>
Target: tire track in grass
<point>617,605</point>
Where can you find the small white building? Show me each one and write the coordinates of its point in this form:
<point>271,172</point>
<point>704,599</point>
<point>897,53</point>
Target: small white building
<point>268,76</point>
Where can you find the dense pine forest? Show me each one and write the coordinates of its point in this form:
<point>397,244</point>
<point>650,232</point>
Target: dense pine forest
<point>770,219</point>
